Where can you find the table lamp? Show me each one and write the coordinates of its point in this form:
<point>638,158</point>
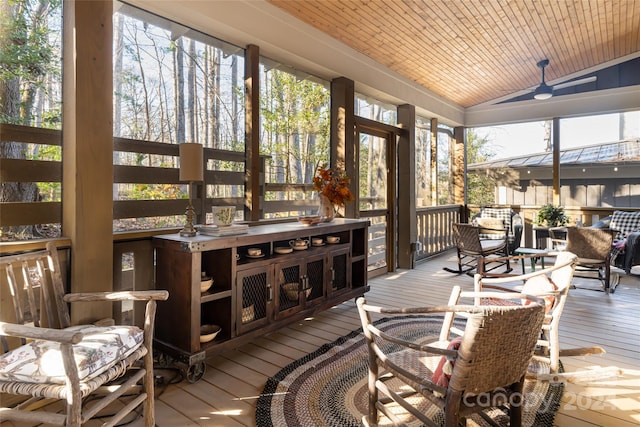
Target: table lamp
<point>191,169</point>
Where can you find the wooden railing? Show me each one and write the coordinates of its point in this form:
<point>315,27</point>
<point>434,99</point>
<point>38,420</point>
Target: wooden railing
<point>578,215</point>
<point>134,262</point>
<point>156,168</point>
<point>434,229</point>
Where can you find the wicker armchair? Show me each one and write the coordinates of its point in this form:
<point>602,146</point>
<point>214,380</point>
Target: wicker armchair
<point>64,362</point>
<point>489,364</point>
<point>475,253</point>
<point>509,219</point>
<point>593,247</point>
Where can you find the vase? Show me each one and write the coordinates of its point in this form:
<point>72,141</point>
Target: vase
<point>326,211</point>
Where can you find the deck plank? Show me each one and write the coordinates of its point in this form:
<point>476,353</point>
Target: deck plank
<point>228,392</point>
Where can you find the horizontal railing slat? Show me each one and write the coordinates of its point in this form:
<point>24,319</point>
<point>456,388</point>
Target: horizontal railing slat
<point>30,213</point>
<point>28,134</point>
<point>22,170</point>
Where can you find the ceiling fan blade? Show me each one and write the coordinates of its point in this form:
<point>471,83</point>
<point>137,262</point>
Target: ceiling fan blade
<point>575,83</point>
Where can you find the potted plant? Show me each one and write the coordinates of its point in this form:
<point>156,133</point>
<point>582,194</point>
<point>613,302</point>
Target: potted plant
<point>551,216</point>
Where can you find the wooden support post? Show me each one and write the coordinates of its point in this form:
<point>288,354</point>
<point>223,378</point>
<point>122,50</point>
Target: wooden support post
<point>556,160</point>
<point>344,149</point>
<point>253,187</point>
<point>87,181</point>
<point>434,162</point>
<point>406,202</point>
<point>458,174</point>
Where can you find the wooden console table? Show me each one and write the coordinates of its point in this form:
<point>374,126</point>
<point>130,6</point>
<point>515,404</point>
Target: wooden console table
<point>251,296</point>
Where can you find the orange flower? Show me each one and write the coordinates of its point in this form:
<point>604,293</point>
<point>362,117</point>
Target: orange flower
<point>334,186</point>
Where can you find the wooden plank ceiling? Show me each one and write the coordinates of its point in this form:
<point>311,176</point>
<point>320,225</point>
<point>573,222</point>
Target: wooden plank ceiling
<point>472,52</point>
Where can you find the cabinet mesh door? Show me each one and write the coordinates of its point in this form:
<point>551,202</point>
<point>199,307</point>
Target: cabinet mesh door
<point>315,273</point>
<point>339,275</point>
<point>289,284</point>
<point>254,297</point>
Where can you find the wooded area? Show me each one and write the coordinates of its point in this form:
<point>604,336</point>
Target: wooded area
<point>171,85</point>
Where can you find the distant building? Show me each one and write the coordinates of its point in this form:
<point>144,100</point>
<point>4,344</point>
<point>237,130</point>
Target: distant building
<point>602,175</point>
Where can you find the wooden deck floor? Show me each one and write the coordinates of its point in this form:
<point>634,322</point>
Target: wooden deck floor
<point>227,394</point>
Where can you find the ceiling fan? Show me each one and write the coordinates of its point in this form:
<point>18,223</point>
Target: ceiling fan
<point>544,91</point>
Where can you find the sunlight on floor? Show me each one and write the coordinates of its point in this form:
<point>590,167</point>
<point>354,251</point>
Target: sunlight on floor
<point>230,412</point>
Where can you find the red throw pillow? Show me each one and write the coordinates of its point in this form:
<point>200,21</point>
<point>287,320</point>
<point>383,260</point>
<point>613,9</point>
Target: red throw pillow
<point>442,374</point>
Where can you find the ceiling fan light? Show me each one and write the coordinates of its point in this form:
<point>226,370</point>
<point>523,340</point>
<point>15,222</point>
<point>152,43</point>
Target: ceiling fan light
<point>543,91</point>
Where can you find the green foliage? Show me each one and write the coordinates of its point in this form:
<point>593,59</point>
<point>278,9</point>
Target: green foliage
<point>49,191</point>
<point>478,149</point>
<point>156,192</point>
<point>295,117</point>
<point>480,188</point>
<point>551,216</point>
<point>29,52</point>
<point>26,52</point>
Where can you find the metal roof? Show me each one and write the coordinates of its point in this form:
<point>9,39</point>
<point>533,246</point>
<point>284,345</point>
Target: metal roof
<point>612,152</point>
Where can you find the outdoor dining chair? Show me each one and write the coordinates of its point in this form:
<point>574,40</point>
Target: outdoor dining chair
<point>488,364</point>
<point>84,367</point>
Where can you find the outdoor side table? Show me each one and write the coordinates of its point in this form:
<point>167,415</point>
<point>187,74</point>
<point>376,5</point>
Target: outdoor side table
<point>531,251</point>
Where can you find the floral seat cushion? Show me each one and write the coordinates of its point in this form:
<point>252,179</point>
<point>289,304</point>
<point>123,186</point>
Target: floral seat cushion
<point>101,348</point>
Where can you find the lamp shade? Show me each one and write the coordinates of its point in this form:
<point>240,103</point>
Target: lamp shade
<point>191,162</point>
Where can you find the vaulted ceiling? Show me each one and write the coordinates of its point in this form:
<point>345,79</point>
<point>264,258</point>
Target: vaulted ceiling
<point>473,52</point>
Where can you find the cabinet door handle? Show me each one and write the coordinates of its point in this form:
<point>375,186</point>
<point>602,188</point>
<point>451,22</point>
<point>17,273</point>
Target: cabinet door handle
<point>269,292</point>
<point>333,275</point>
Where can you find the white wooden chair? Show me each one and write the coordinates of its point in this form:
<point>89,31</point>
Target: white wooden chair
<point>44,357</point>
<point>552,284</point>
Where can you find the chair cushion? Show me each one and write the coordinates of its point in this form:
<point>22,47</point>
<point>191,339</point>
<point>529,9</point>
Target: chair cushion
<point>534,286</point>
<point>540,285</point>
<point>101,348</point>
<point>500,213</point>
<point>494,226</point>
<point>490,245</point>
<point>502,219</point>
<point>624,223</point>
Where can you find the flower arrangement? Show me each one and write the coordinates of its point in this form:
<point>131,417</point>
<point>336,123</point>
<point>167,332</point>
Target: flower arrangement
<point>335,186</point>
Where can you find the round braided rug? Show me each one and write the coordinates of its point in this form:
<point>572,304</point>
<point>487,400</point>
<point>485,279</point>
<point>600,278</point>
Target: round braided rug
<point>329,386</point>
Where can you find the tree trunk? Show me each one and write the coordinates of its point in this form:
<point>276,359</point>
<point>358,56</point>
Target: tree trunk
<point>117,73</point>
<point>547,136</point>
<point>11,112</point>
<point>179,94</point>
<point>118,29</point>
<point>143,81</point>
<point>191,89</point>
<point>234,102</point>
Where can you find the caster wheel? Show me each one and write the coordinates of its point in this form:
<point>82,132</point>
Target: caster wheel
<point>194,372</point>
<point>164,361</point>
